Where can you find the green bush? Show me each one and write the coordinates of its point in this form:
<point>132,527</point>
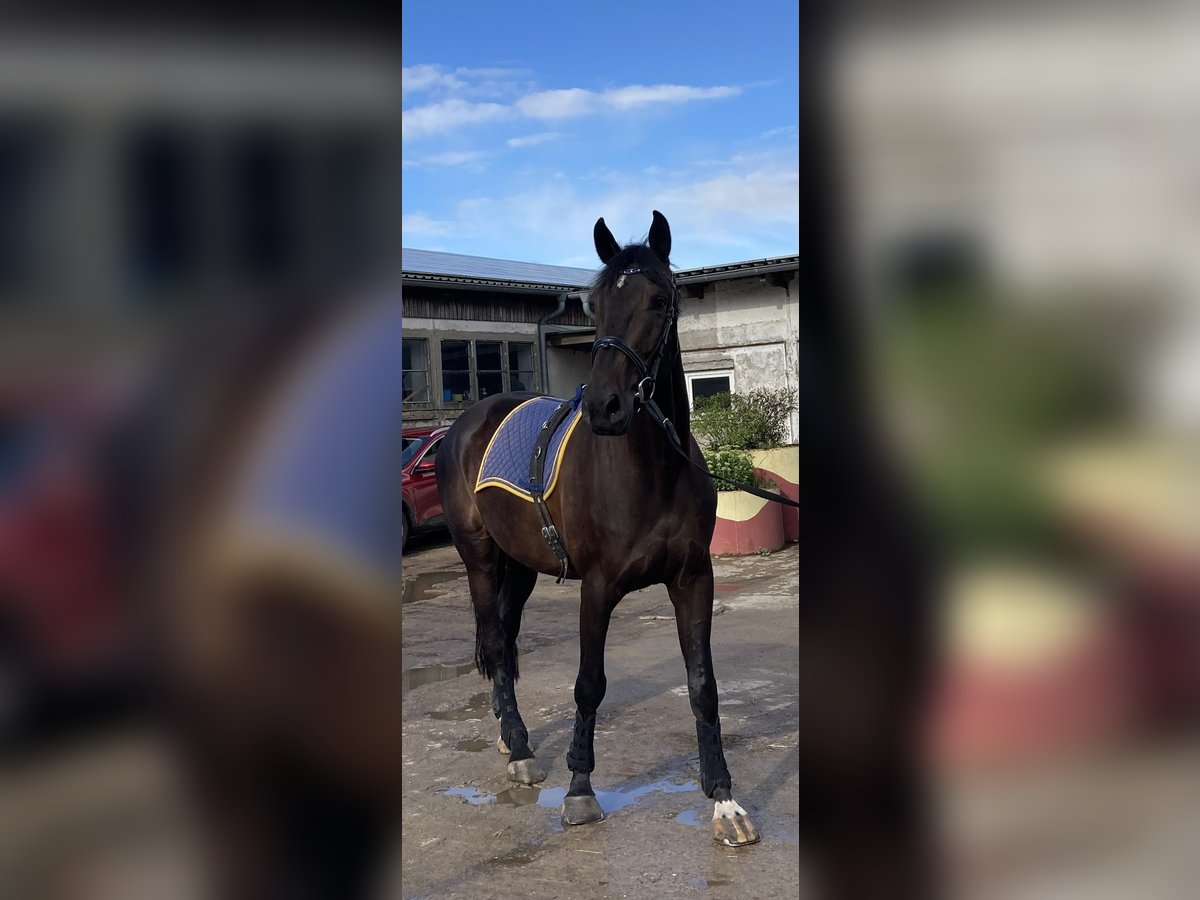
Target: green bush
<point>734,465</point>
<point>753,421</point>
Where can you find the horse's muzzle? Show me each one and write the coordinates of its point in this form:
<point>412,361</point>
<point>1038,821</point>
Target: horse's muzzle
<point>608,413</point>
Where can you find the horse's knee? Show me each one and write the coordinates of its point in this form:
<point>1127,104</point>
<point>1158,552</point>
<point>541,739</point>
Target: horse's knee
<point>589,691</point>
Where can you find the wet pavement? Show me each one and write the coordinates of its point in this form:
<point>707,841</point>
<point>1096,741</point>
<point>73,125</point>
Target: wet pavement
<point>101,815</point>
<point>468,831</point>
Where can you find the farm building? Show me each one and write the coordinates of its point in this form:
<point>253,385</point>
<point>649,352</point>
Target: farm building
<point>475,326</point>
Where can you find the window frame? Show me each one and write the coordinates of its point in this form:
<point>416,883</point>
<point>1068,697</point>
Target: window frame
<point>424,404</point>
<point>434,337</point>
<point>708,373</point>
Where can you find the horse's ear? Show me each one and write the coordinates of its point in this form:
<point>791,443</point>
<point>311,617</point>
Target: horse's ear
<point>606,245</point>
<point>660,237</point>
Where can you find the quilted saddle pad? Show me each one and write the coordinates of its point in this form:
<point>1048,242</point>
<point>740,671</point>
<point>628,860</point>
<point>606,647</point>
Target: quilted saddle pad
<point>506,461</point>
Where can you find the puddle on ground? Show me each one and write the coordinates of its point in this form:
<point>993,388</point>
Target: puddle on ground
<point>474,796</point>
<point>708,882</point>
<point>475,708</point>
<point>552,798</point>
<point>474,745</point>
<point>421,587</point>
<point>691,817</point>
<point>722,588</point>
<point>518,796</point>
<point>419,675</point>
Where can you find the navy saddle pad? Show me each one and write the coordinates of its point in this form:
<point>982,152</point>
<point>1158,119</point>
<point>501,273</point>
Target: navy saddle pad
<point>506,461</point>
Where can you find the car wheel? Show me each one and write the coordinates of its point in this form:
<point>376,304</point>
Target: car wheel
<point>405,529</point>
<point>16,694</point>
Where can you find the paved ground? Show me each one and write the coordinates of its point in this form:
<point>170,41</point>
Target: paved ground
<point>99,816</point>
<point>470,833</point>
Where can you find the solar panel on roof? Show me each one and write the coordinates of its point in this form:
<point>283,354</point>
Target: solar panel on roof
<point>435,262</point>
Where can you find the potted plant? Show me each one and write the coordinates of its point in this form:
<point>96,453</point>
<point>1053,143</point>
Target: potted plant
<point>754,424</point>
<point>745,523</point>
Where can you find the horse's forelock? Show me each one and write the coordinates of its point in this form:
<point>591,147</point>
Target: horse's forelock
<point>633,256</point>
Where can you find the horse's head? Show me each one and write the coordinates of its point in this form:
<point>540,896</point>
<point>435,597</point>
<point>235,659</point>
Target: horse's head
<point>636,305</point>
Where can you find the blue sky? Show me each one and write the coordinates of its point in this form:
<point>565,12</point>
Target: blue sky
<point>523,123</point>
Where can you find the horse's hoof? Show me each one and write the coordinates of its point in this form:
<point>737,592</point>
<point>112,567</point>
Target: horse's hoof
<point>525,771</point>
<point>581,809</point>
<point>501,746</point>
<point>734,831</point>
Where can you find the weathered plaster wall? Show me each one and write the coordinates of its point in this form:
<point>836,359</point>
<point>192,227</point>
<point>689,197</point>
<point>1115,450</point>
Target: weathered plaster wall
<point>746,325</point>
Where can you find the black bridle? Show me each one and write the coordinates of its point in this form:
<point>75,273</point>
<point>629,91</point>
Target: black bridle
<point>647,369</point>
<point>644,396</point>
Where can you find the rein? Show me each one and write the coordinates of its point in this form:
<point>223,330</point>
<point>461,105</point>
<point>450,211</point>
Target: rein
<point>677,445</point>
<point>649,373</point>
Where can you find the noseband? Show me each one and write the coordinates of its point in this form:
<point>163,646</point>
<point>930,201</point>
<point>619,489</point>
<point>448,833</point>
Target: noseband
<point>647,369</point>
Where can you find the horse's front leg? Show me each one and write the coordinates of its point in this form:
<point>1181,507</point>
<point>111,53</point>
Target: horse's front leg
<point>693,618</point>
<point>597,602</point>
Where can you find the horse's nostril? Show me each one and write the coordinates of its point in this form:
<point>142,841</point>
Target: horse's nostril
<point>613,408</point>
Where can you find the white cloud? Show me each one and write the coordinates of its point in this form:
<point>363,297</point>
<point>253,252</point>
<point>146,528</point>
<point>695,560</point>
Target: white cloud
<point>458,93</point>
<point>420,225</point>
<point>785,131</point>
<point>636,95</point>
<point>426,78</point>
<point>449,158</point>
<point>494,72</point>
<point>734,216</point>
<point>574,102</point>
<point>530,140</point>
<point>438,118</point>
<point>560,104</point>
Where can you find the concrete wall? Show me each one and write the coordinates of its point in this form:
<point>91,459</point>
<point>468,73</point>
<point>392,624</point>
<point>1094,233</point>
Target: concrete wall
<point>747,326</point>
<point>567,370</point>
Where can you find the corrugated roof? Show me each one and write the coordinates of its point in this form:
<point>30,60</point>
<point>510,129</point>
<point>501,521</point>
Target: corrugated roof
<point>434,265</point>
<point>458,265</point>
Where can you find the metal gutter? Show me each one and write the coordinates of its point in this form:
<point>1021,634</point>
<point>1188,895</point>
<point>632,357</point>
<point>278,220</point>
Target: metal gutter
<point>720,273</point>
<point>489,284</point>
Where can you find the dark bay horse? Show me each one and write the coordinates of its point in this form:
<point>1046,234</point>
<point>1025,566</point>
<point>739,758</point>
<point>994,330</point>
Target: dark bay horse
<point>630,511</point>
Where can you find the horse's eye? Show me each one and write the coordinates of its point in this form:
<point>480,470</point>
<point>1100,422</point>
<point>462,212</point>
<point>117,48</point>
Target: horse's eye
<point>660,301</point>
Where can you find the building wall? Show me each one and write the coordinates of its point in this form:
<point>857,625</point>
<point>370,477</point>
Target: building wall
<point>747,327</point>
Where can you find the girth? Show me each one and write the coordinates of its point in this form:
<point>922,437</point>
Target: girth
<point>537,485</point>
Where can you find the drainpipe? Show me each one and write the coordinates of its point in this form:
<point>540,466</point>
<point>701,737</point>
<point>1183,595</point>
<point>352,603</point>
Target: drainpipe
<point>562,306</point>
<point>586,300</point>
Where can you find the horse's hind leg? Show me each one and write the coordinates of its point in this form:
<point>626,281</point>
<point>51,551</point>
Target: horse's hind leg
<point>693,618</point>
<point>493,594</point>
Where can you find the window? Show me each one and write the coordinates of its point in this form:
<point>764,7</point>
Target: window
<point>265,190</point>
<point>411,446</point>
<point>415,365</point>
<point>489,368</point>
<point>456,371</point>
<point>162,211</point>
<point>27,160</point>
<point>468,370</point>
<point>707,384</point>
<point>520,367</point>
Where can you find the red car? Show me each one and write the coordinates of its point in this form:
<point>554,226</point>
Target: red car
<point>422,504</point>
<point>63,626</point>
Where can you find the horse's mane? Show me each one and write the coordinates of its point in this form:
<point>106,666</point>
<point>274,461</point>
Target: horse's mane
<point>633,256</point>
